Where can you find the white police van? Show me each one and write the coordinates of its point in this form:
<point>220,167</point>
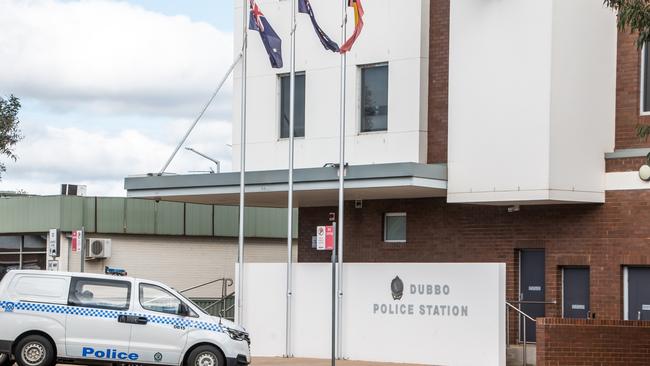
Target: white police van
<point>49,317</point>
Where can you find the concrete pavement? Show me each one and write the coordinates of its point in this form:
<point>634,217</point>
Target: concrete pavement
<point>273,361</point>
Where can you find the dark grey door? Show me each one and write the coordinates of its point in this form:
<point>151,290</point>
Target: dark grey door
<point>575,293</point>
<point>638,290</point>
<point>532,288</point>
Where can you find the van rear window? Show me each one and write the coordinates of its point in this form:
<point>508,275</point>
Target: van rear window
<point>98,293</point>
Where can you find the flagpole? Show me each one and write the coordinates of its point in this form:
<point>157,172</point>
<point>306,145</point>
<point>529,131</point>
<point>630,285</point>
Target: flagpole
<point>242,164</point>
<point>292,95</point>
<point>344,19</point>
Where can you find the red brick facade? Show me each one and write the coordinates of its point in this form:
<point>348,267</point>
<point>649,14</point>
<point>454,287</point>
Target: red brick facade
<point>592,342</point>
<point>602,236</point>
<point>438,81</point>
<point>624,164</point>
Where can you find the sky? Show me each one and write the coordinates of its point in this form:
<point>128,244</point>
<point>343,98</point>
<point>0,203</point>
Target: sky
<point>109,87</point>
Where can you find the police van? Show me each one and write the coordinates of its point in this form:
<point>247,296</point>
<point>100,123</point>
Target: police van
<point>50,317</point>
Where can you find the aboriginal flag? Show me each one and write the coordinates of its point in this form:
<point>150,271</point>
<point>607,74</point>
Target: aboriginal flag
<point>358,25</point>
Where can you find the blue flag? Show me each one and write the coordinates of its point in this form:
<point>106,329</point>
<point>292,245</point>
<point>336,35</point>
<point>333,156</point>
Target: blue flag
<point>304,6</point>
<point>272,43</point>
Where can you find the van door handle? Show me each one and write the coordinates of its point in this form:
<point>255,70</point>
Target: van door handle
<point>132,319</point>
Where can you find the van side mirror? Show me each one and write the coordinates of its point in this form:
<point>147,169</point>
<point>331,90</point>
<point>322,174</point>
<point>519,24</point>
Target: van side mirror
<point>183,309</point>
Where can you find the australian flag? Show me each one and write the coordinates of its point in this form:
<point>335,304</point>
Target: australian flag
<point>272,43</point>
<point>304,6</point>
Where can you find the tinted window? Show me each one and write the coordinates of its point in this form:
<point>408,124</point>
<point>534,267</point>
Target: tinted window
<point>299,106</point>
<point>155,298</point>
<point>9,262</point>
<point>10,243</point>
<point>395,227</point>
<point>34,243</point>
<point>374,98</point>
<point>97,293</point>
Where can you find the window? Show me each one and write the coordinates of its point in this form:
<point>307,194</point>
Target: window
<point>645,80</point>
<point>374,98</point>
<point>155,298</point>
<point>395,227</point>
<point>22,252</point>
<point>299,106</point>
<point>97,293</point>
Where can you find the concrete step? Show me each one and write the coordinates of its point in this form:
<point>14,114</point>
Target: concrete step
<point>515,355</point>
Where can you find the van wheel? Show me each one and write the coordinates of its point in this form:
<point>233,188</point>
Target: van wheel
<point>34,350</point>
<point>206,356</point>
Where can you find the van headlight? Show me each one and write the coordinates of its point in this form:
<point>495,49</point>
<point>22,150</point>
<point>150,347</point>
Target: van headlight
<point>238,335</point>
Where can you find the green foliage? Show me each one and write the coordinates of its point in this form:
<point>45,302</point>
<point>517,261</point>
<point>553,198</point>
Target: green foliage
<point>643,131</point>
<point>9,132</point>
<point>633,16</point>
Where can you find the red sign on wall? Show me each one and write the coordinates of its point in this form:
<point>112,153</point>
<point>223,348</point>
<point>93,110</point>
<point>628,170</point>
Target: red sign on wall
<point>329,237</point>
<point>325,238</point>
<point>75,241</point>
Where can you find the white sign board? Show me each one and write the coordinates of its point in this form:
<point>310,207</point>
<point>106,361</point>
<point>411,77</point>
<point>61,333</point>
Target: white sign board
<point>53,243</point>
<point>320,237</point>
<point>432,314</point>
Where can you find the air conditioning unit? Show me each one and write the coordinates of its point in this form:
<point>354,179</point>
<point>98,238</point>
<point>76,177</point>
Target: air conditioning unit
<point>98,248</point>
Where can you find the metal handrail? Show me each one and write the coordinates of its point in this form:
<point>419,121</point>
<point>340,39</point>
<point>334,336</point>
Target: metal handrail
<point>231,295</point>
<point>227,281</point>
<point>526,316</point>
<point>554,302</point>
<point>521,312</point>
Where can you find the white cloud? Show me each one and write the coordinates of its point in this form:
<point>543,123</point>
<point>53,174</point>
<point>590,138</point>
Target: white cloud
<point>110,57</point>
<point>109,89</point>
<point>101,160</point>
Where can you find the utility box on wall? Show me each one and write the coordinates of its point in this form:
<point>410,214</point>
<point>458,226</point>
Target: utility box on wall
<point>532,92</point>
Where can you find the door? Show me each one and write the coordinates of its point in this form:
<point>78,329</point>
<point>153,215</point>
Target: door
<point>638,293</point>
<point>532,290</point>
<point>93,329</point>
<point>575,293</point>
<point>161,338</point>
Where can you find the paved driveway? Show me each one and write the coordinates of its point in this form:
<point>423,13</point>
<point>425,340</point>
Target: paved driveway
<point>263,361</point>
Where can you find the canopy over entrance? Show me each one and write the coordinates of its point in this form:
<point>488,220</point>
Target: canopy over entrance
<point>312,186</point>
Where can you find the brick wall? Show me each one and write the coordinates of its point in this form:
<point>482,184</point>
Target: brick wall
<point>438,81</point>
<point>592,342</point>
<point>624,164</point>
<point>602,236</point>
<point>628,93</point>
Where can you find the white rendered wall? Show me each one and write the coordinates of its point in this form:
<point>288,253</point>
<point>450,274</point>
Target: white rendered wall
<point>396,32</point>
<point>394,334</point>
<point>531,100</point>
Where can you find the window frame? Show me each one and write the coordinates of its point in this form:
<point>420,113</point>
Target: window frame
<point>642,83</point>
<point>99,281</point>
<point>359,113</point>
<point>395,214</point>
<point>279,106</point>
<point>140,286</point>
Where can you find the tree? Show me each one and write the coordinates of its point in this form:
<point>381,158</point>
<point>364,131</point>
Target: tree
<point>9,132</point>
<point>633,16</point>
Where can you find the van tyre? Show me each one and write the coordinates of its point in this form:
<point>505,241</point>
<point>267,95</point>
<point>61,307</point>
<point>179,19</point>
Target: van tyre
<point>34,350</point>
<point>204,356</point>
